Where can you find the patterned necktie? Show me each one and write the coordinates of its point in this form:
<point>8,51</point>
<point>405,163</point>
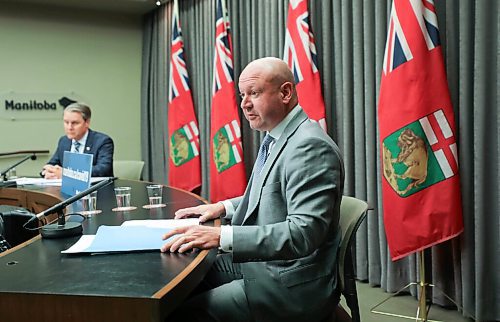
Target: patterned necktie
<point>76,147</point>
<point>262,156</point>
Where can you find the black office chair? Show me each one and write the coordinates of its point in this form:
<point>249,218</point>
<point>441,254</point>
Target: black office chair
<point>14,219</point>
<point>352,214</point>
<point>4,244</point>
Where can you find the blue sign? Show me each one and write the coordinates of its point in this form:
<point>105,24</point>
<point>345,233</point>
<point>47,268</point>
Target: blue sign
<point>76,172</point>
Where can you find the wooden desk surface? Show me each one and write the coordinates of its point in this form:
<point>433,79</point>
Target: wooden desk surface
<point>39,283</point>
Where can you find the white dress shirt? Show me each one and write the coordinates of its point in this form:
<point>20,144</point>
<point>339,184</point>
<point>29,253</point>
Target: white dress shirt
<point>82,141</point>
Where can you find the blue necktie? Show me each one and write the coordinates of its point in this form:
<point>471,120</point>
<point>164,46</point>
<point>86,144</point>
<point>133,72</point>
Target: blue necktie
<point>76,147</point>
<point>262,156</point>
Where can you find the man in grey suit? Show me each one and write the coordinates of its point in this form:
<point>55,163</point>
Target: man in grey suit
<point>281,246</point>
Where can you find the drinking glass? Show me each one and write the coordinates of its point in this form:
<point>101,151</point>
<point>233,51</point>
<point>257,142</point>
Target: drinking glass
<point>122,195</point>
<point>155,195</point>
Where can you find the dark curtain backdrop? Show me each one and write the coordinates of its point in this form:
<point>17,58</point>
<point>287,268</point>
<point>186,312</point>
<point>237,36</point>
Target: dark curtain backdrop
<point>350,38</point>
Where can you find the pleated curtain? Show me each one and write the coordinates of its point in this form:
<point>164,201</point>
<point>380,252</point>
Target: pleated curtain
<point>350,38</point>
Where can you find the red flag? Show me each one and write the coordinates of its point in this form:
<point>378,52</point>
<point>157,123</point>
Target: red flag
<point>302,58</point>
<point>183,134</point>
<point>227,171</point>
<point>421,184</point>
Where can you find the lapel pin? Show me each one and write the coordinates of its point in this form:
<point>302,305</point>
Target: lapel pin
<point>88,148</point>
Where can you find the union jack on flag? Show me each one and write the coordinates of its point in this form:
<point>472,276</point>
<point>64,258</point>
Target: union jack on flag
<point>178,72</point>
<point>302,58</point>
<point>397,49</point>
<point>306,46</point>
<point>223,58</point>
<point>427,20</point>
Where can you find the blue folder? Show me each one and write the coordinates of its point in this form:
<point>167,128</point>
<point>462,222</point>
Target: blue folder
<point>127,238</point>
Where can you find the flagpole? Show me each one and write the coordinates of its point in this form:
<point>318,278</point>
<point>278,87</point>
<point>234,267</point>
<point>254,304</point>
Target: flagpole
<point>422,309</point>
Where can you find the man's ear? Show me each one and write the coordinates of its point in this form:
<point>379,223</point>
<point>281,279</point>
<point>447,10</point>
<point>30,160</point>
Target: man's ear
<point>286,92</point>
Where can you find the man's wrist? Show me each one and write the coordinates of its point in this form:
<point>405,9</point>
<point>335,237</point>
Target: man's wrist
<point>221,209</point>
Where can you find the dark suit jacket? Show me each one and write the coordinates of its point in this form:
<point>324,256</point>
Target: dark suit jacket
<point>285,228</point>
<point>98,144</point>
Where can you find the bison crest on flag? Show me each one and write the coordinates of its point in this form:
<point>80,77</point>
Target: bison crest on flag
<point>227,146</point>
<point>420,154</point>
<point>182,144</point>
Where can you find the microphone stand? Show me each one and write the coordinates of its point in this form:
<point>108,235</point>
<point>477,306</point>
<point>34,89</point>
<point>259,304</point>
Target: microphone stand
<point>62,228</point>
<point>3,174</point>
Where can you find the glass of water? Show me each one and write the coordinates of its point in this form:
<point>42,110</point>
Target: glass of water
<point>155,195</point>
<point>122,195</point>
<point>89,204</point>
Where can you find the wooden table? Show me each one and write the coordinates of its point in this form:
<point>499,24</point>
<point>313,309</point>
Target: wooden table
<point>38,283</point>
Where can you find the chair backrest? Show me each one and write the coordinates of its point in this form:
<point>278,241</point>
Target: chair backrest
<point>128,169</point>
<point>14,219</point>
<point>352,214</point>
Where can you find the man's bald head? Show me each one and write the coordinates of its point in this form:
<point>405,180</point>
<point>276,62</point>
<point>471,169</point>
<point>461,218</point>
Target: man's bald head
<point>273,69</point>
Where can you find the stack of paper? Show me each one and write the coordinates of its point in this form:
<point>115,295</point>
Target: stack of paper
<point>48,182</point>
<point>163,223</point>
<point>133,235</point>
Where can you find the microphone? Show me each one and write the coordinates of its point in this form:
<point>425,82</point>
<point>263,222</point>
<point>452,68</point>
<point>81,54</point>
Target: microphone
<point>3,174</point>
<point>62,228</point>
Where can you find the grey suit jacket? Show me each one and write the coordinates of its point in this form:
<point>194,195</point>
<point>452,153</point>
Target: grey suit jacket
<point>285,227</point>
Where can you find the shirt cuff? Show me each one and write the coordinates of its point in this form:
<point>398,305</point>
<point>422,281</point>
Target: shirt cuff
<point>229,208</point>
<point>226,238</point>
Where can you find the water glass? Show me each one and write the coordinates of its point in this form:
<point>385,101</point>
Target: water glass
<point>155,194</point>
<point>12,174</point>
<point>122,197</point>
<point>89,203</point>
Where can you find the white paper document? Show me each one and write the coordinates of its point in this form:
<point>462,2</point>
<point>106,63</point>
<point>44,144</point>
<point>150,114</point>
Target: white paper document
<point>80,246</point>
<point>49,182</point>
<point>163,223</point>
<point>38,181</point>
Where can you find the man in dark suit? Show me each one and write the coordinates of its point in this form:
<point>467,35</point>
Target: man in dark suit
<point>80,138</point>
<point>283,239</point>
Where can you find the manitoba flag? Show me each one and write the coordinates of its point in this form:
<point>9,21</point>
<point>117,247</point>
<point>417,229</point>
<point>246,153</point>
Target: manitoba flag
<point>183,134</point>
<point>421,184</point>
<point>227,146</point>
<point>227,171</point>
<point>302,58</point>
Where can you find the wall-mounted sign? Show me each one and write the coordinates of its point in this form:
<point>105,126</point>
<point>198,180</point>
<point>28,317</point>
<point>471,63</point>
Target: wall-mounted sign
<point>23,106</point>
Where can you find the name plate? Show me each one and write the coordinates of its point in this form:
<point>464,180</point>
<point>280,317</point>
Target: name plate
<point>76,172</point>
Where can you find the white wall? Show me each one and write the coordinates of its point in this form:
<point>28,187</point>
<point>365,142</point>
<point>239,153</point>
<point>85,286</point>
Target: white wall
<point>93,54</point>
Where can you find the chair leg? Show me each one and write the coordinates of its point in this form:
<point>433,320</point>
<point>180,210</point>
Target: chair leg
<point>341,315</point>
<point>350,292</point>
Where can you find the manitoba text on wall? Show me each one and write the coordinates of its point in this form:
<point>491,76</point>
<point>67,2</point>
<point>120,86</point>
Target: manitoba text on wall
<point>29,106</point>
